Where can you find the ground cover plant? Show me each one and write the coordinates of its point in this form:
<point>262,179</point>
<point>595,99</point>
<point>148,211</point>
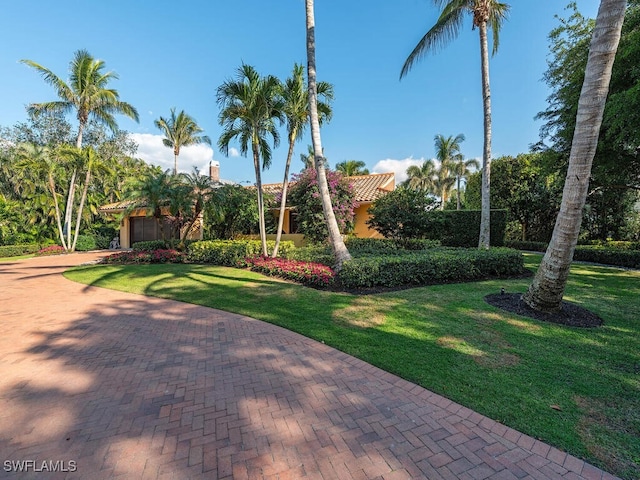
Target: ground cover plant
<point>577,389</point>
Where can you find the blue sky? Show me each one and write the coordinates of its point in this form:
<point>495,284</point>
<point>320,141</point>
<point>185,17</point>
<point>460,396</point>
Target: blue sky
<point>171,54</point>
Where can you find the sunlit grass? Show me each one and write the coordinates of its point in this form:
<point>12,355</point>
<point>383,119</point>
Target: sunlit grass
<point>449,340</point>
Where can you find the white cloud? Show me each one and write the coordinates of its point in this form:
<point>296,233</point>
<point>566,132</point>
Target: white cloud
<point>152,150</point>
<point>234,152</point>
<point>399,167</point>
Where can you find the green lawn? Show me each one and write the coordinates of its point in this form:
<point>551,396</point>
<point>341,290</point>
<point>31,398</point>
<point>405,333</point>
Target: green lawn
<point>16,258</point>
<point>447,339</point>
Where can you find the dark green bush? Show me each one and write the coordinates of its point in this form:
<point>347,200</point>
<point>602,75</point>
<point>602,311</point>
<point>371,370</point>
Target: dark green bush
<point>376,246</point>
<point>85,243</point>
<point>531,246</point>
<point>608,256</point>
<point>17,250</point>
<point>429,267</point>
<point>461,228</point>
<point>150,246</point>
<point>229,252</point>
<point>312,253</point>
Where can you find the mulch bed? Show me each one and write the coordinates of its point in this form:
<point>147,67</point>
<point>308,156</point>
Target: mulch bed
<point>570,314</point>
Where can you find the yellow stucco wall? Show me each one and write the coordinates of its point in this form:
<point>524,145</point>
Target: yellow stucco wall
<point>361,229</point>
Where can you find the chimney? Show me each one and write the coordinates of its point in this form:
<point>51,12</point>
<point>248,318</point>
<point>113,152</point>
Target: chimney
<point>214,171</point>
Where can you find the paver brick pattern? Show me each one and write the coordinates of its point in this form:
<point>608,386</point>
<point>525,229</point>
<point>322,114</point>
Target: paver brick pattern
<point>135,387</point>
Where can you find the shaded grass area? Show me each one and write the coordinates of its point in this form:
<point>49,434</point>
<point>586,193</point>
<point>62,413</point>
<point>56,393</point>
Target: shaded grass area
<point>577,389</point>
<point>18,257</point>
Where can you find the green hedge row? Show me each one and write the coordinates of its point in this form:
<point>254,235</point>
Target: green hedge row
<point>608,256</point>
<point>229,252</point>
<point>150,246</point>
<point>461,228</point>
<point>619,254</point>
<point>17,250</point>
<point>431,266</point>
<point>377,246</point>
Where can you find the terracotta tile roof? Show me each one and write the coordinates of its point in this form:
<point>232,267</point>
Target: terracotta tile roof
<point>368,188</point>
<point>119,206</point>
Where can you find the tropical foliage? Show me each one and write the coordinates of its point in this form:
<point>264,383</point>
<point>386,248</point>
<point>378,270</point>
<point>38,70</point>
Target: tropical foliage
<point>251,106</point>
<point>351,168</point>
<point>305,195</point>
<point>180,131</point>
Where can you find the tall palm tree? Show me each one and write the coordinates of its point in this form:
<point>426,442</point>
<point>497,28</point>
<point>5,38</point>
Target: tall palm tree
<point>462,169</point>
<point>547,288</point>
<point>250,106</point>
<point>296,112</point>
<point>422,177</point>
<point>87,94</point>
<point>487,14</point>
<point>180,131</point>
<point>447,152</point>
<point>337,244</point>
<point>351,168</point>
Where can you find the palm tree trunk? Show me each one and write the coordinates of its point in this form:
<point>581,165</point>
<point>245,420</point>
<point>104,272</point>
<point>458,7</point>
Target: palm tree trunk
<point>69,209</point>
<point>175,164</point>
<point>285,186</point>
<point>256,165</point>
<point>458,194</point>
<point>547,289</point>
<point>485,215</point>
<point>337,244</point>
<point>83,199</point>
<point>52,187</point>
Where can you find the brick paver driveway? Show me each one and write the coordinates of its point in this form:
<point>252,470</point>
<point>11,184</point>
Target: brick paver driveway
<point>114,385</point>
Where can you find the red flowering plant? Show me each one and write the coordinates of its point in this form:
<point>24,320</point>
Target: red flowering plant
<point>141,256</point>
<point>307,273</point>
<point>51,250</point>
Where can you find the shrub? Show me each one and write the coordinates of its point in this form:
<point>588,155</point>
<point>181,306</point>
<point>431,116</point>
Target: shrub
<point>85,243</point>
<point>305,195</point>
<point>150,245</point>
<point>50,250</point>
<point>312,253</point>
<point>429,267</point>
<point>17,250</point>
<point>525,245</point>
<point>377,246</point>
<point>229,252</point>
<point>608,256</point>
<point>307,273</point>
<point>146,256</point>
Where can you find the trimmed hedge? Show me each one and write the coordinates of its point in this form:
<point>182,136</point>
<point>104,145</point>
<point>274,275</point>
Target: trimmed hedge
<point>17,250</point>
<point>461,228</point>
<point>150,246</point>
<point>431,266</point>
<point>523,245</point>
<point>376,246</point>
<point>230,252</point>
<point>86,243</point>
<point>608,256</point>
<point>312,253</point>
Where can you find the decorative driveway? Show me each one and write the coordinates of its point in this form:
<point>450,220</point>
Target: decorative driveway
<point>99,384</point>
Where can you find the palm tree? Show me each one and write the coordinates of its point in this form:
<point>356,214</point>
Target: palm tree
<point>447,152</point>
<point>337,244</point>
<point>180,131</point>
<point>199,189</point>
<point>250,106</point>
<point>351,168</point>
<point>307,158</point>
<point>296,111</point>
<point>486,14</point>
<point>87,94</point>
<point>153,192</point>
<point>462,169</point>
<point>422,177</point>
<point>547,288</point>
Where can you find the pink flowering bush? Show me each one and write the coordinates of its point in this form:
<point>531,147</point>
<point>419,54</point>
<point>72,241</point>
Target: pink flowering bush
<point>307,273</point>
<point>153,256</point>
<point>51,250</point>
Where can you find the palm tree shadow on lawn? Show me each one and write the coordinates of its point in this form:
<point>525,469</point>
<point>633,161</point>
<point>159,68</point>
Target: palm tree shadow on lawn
<point>570,314</point>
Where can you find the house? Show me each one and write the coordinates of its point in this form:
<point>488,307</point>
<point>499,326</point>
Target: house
<point>368,188</point>
<point>136,225</point>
